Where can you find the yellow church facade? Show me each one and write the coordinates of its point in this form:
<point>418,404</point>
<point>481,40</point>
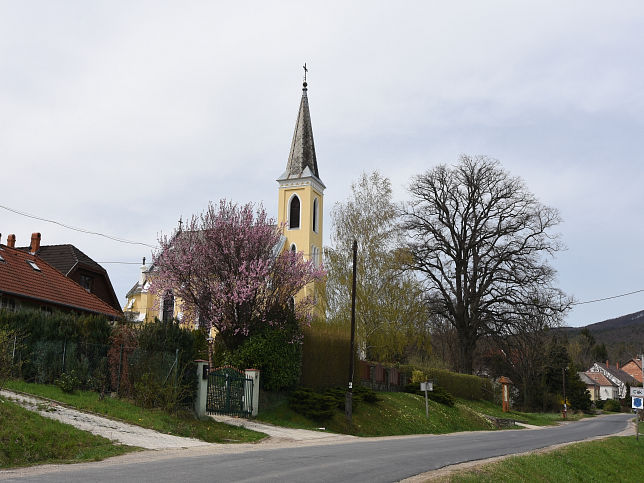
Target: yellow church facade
<point>300,216</point>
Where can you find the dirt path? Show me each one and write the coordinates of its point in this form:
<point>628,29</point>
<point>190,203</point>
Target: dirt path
<point>133,435</point>
<point>124,433</point>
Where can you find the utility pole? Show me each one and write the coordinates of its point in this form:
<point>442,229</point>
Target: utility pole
<point>348,404</point>
<point>565,408</point>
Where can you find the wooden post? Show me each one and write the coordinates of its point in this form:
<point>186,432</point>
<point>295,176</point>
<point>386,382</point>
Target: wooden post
<point>505,393</point>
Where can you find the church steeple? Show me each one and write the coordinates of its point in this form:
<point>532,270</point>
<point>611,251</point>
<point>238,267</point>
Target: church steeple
<point>302,162</point>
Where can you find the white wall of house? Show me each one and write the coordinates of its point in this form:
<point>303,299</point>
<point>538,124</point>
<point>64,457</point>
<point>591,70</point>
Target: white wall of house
<point>608,392</point>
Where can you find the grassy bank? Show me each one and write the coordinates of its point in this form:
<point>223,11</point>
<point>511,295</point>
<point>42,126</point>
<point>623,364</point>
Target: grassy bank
<point>537,419</point>
<point>395,414</point>
<point>612,459</point>
<point>26,439</point>
<point>179,425</point>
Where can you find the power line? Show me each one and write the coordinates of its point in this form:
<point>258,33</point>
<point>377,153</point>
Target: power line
<point>123,263</point>
<point>607,298</point>
<point>82,230</point>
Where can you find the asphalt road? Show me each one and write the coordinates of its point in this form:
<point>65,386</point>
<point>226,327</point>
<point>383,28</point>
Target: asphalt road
<point>372,460</point>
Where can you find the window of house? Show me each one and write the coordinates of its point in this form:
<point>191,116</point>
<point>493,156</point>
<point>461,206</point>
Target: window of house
<point>294,212</point>
<point>86,282</point>
<point>315,215</point>
<point>168,307</point>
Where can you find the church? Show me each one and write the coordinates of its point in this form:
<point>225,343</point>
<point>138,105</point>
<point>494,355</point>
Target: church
<point>300,215</point>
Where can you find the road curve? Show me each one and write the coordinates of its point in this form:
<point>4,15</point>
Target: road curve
<point>370,459</point>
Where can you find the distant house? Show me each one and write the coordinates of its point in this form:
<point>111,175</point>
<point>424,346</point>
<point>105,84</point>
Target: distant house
<point>75,264</point>
<point>599,386</point>
<point>614,375</point>
<point>634,369</point>
<point>26,280</point>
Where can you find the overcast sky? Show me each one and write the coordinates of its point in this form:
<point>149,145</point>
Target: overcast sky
<point>120,117</point>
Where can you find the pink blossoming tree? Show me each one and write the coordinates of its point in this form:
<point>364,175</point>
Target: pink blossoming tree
<point>227,267</point>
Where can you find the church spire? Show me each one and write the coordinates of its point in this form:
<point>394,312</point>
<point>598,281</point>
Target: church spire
<point>302,161</point>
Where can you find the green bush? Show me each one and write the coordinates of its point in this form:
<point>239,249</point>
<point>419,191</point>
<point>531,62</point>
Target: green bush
<point>438,394</point>
<point>313,405</point>
<point>325,355</point>
<point>612,405</point>
<point>464,386</point>
<point>276,352</point>
<point>68,382</point>
<point>319,405</point>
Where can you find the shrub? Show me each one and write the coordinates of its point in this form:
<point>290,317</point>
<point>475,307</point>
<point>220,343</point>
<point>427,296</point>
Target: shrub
<point>311,404</point>
<point>439,394</point>
<point>68,382</point>
<point>612,405</point>
<point>325,355</point>
<point>6,355</point>
<point>319,405</point>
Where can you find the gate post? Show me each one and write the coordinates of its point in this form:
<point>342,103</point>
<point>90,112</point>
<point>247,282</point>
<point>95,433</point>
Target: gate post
<point>254,375</point>
<point>202,388</point>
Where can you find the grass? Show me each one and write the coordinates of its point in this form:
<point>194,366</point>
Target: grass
<point>611,459</point>
<point>183,424</point>
<point>537,419</point>
<point>26,439</point>
<point>394,414</point>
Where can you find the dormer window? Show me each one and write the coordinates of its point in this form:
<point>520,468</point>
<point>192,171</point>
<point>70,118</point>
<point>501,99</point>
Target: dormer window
<point>33,265</point>
<point>294,212</point>
<point>86,282</point>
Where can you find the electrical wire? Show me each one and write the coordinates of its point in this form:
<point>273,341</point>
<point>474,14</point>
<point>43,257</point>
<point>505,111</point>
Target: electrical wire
<point>82,230</point>
<point>607,298</point>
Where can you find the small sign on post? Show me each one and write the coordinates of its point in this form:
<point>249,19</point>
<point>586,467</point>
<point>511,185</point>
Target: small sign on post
<point>637,396</point>
<point>427,386</point>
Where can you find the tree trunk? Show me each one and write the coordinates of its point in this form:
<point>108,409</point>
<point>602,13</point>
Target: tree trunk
<point>466,346</point>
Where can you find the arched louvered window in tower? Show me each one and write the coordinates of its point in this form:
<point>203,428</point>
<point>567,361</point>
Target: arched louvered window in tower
<point>294,212</point>
<point>315,215</point>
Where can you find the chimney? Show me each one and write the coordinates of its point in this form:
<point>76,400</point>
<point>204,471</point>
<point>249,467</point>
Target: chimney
<point>11,241</point>
<point>35,243</point>
<point>617,365</point>
<point>607,363</point>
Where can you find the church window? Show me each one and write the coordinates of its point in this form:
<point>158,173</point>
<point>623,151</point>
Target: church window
<point>315,256</point>
<point>293,247</point>
<point>315,215</point>
<point>168,307</point>
<point>294,212</point>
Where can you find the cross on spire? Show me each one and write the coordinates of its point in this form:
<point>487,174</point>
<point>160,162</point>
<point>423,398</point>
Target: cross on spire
<point>305,71</point>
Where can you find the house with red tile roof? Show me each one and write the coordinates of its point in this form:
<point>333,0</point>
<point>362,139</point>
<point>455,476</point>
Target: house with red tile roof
<point>599,386</point>
<point>26,280</point>
<point>616,376</point>
<point>634,368</point>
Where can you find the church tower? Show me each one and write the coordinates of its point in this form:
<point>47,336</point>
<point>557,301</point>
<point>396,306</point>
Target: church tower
<point>301,191</point>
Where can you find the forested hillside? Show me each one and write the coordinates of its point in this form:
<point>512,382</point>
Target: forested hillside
<point>623,336</point>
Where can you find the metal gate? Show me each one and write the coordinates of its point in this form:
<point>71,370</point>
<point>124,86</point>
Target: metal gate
<point>229,392</point>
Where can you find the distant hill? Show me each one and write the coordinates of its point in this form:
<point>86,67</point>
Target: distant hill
<point>623,336</point>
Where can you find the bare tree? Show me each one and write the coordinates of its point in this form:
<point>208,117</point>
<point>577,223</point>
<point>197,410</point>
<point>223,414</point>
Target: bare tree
<point>481,240</point>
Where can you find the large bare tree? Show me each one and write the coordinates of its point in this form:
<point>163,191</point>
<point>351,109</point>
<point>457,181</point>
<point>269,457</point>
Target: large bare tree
<point>481,241</point>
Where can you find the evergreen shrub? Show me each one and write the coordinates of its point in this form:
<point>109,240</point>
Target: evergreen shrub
<point>612,405</point>
<point>325,355</point>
